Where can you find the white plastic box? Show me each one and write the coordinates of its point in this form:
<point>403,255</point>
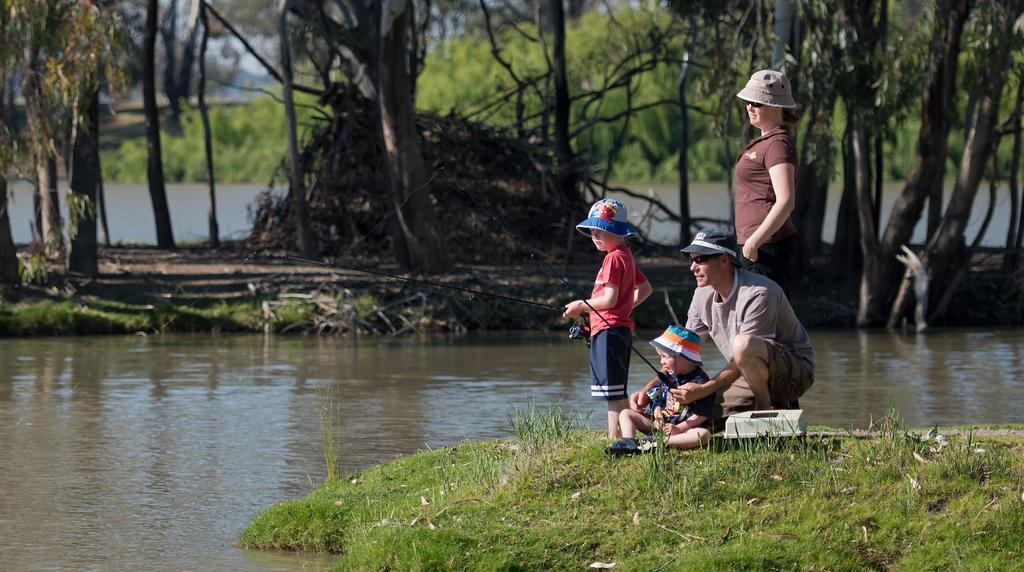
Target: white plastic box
<point>775,423</point>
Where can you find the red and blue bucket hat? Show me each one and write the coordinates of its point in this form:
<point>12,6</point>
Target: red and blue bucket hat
<point>608,215</point>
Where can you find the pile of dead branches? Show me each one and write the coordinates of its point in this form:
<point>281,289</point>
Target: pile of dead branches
<point>394,312</point>
<point>488,190</point>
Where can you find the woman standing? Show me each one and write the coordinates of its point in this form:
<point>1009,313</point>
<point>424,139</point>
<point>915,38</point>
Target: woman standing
<point>766,178</point>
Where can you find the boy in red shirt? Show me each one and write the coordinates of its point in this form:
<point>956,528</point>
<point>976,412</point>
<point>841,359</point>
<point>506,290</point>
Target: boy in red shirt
<point>619,287</point>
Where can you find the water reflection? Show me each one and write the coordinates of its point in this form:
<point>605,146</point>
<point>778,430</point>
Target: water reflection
<point>155,452</point>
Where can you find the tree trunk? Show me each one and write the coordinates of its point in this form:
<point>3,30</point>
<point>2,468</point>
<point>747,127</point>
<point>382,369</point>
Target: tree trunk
<point>576,9</point>
<point>8,109</point>
<point>813,182</point>
<point>860,161</point>
<point>787,23</point>
<point>49,205</point>
<point>684,137</point>
<point>963,270</point>
<point>8,253</point>
<point>101,204</point>
<point>48,213</point>
<point>567,177</point>
<point>879,179</point>
<point>303,232</point>
<point>84,180</point>
<point>418,245</point>
<point>154,165</point>
<point>932,145</point>
<point>845,247</point>
<point>169,31</point>
<point>1011,256</point>
<point>183,81</point>
<point>211,209</point>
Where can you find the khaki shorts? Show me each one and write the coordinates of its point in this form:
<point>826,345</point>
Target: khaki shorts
<point>788,379</point>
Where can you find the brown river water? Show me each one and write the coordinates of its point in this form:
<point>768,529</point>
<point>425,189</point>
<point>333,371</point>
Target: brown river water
<point>188,209</point>
<point>153,453</point>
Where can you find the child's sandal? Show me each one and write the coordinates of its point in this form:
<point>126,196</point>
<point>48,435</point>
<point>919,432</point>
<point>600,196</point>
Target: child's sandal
<point>624,446</point>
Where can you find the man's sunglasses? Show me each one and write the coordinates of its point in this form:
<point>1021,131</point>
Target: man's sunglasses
<point>703,258</point>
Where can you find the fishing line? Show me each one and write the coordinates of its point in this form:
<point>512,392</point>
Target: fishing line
<point>428,283</point>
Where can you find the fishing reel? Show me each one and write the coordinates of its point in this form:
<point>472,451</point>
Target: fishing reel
<point>579,331</point>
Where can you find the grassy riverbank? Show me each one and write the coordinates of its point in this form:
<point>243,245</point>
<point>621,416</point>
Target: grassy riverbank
<point>238,289</point>
<point>550,499</point>
<point>338,312</point>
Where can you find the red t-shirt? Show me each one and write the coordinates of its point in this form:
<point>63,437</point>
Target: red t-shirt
<point>620,270</point>
<point>755,195</point>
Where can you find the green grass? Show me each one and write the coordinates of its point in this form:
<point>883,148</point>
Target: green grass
<point>66,317</point>
<point>535,502</point>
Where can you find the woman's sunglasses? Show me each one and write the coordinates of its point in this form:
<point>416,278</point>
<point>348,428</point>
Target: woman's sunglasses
<point>754,104</point>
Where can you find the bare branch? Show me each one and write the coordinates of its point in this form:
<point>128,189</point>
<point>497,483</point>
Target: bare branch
<point>248,47</point>
<point>628,112</point>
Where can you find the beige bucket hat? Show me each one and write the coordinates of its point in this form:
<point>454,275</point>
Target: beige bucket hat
<point>769,87</point>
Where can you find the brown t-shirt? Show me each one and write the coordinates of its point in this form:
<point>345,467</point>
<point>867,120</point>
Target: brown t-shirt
<point>754,193</point>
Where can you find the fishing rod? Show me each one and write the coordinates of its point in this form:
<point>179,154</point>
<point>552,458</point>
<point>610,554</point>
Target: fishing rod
<point>428,283</point>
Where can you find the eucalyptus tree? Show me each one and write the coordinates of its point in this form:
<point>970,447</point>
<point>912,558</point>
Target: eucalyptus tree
<point>154,163</point>
<point>8,253</point>
<point>947,18</point>
<point>213,227</point>
<point>59,45</point>
<point>814,78</point>
<point>997,36</point>
<point>179,53</point>
<point>35,31</point>
<point>100,27</point>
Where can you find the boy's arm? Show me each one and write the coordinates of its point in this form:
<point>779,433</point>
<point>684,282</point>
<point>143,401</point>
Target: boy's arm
<point>606,299</point>
<point>641,292</point>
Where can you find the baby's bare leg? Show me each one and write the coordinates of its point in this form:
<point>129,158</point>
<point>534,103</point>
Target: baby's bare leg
<point>631,420</point>
<point>689,438</point>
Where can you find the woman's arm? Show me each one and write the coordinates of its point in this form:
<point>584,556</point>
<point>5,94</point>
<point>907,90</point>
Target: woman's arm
<point>784,184</point>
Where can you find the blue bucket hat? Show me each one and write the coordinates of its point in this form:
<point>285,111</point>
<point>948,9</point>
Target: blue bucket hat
<point>608,215</point>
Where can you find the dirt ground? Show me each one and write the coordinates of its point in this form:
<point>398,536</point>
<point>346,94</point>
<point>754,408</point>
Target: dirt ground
<point>238,271</point>
<point>140,273</point>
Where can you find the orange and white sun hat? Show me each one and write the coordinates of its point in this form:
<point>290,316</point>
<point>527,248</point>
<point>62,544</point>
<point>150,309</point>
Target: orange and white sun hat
<point>679,342</point>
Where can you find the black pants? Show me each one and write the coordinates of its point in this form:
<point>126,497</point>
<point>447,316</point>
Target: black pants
<point>777,260</point>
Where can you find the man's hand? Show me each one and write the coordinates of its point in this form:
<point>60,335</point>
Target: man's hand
<point>688,392</point>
